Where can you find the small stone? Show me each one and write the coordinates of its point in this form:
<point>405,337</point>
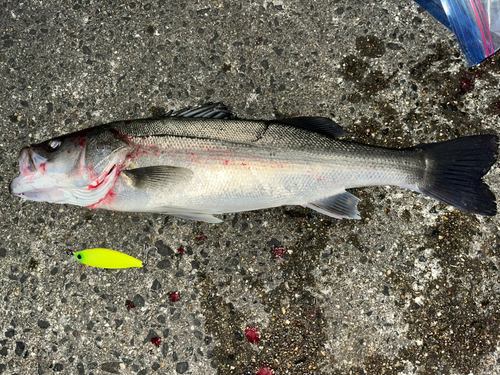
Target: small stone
<point>164,264</point>
<point>58,367</point>
<point>181,367</point>
<point>43,324</point>
<point>10,333</point>
<point>19,348</point>
<point>156,285</point>
<point>111,367</point>
<point>138,301</point>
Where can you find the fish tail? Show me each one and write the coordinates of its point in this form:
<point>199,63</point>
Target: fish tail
<point>454,172</point>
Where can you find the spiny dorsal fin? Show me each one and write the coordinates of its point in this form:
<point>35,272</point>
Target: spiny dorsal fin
<point>208,110</point>
<point>322,125</point>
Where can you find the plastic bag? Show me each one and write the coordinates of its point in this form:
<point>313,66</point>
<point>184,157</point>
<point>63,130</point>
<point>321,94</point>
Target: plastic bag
<point>476,24</point>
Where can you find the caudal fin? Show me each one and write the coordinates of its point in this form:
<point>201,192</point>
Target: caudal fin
<point>454,172</point>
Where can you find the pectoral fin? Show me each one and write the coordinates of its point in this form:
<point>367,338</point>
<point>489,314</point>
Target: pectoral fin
<point>340,206</point>
<point>159,177</point>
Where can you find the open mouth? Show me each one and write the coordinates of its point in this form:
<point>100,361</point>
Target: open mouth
<point>26,163</point>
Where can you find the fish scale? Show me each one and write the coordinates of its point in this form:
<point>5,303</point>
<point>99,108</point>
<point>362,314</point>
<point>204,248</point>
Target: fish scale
<point>195,167</point>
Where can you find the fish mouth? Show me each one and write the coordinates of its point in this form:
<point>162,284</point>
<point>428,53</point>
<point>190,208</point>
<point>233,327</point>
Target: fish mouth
<point>27,165</point>
<point>33,183</point>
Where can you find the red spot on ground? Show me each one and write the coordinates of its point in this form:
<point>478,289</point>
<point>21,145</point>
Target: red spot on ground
<point>156,341</point>
<point>312,315</point>
<point>252,334</point>
<point>201,238</point>
<point>466,85</point>
<point>129,304</point>
<point>69,151</point>
<point>264,371</point>
<point>278,251</point>
<point>42,167</point>
<point>174,296</point>
<point>180,250</point>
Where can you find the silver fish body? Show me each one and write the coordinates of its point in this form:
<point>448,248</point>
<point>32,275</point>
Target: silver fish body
<point>195,167</point>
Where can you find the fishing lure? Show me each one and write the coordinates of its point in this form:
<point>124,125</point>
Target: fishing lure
<point>106,258</point>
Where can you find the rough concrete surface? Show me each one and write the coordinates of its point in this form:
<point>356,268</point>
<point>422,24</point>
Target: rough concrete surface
<point>412,288</point>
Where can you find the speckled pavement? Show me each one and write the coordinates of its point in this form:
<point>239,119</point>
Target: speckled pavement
<point>412,288</point>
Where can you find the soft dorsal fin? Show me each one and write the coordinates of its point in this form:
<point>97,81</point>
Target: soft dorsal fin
<point>208,110</point>
<point>322,125</point>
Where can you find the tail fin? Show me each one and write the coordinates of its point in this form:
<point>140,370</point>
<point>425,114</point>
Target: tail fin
<point>454,171</point>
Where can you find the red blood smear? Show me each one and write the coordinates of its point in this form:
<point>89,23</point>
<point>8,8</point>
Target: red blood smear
<point>120,134</point>
<point>278,251</point>
<point>104,201</point>
<point>264,371</point>
<point>466,85</point>
<point>180,250</point>
<point>82,142</point>
<point>42,167</point>
<point>129,304</point>
<point>156,341</point>
<point>201,238</point>
<point>252,335</point>
<point>312,315</point>
<point>174,297</point>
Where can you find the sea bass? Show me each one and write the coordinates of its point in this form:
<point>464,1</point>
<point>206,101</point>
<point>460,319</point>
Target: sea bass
<point>196,163</point>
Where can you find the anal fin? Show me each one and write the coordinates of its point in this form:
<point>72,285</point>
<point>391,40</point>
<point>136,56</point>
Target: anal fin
<point>340,206</point>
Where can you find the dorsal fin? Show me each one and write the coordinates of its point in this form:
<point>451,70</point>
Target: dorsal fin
<point>208,110</point>
<point>322,125</point>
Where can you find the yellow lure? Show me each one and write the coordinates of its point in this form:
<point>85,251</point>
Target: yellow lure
<point>107,258</point>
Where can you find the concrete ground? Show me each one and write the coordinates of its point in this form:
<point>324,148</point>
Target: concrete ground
<point>412,288</point>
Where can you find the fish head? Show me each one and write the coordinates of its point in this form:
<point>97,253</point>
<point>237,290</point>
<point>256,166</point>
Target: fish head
<point>78,168</point>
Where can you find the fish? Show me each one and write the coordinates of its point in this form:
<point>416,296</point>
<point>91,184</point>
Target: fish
<point>199,162</point>
<point>107,258</point>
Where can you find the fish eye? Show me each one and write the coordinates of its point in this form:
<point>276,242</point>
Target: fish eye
<point>79,256</point>
<point>53,144</point>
